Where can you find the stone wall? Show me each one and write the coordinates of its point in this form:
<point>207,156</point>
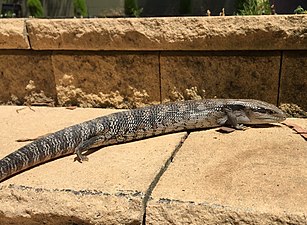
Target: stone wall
<point>129,62</point>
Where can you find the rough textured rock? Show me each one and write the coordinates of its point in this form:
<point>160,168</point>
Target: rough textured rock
<point>222,74</point>
<point>210,63</point>
<point>105,72</point>
<point>18,69</point>
<point>174,33</point>
<point>258,176</point>
<point>108,189</point>
<point>34,206</point>
<point>294,78</point>
<point>13,34</point>
<point>169,212</point>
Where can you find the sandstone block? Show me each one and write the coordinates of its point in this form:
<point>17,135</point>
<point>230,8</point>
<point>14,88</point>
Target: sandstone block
<point>257,176</point>
<point>24,75</point>
<point>34,206</point>
<point>108,189</point>
<point>174,33</point>
<point>107,79</point>
<point>13,34</point>
<point>221,74</point>
<point>294,78</point>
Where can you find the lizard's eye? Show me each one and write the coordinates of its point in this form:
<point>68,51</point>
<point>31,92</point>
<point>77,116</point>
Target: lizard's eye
<point>264,111</point>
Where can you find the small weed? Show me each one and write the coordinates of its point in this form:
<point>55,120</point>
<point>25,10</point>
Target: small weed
<point>253,7</point>
<point>132,8</point>
<point>300,10</point>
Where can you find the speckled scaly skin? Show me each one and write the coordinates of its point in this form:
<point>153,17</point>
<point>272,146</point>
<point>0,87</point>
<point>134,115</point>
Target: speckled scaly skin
<point>136,124</point>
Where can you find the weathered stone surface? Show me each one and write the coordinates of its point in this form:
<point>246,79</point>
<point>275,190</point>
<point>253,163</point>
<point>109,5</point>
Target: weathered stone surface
<point>169,212</point>
<point>294,78</point>
<point>126,79</point>
<point>13,34</point>
<point>258,176</point>
<point>135,76</point>
<point>223,74</point>
<point>175,33</point>
<point>34,206</point>
<point>18,68</point>
<point>108,189</point>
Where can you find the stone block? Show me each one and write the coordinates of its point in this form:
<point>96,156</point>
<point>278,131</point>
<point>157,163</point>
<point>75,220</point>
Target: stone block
<point>18,68</point>
<point>221,74</point>
<point>170,33</point>
<point>294,78</point>
<point>257,176</point>
<point>131,76</point>
<point>13,34</point>
<point>107,189</point>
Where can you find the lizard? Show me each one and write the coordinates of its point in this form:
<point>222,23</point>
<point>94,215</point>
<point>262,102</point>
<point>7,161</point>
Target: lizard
<point>139,123</point>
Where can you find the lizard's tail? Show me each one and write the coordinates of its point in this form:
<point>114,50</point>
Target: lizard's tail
<point>31,155</point>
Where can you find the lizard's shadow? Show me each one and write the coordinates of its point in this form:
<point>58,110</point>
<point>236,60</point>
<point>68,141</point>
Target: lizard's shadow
<point>268,125</point>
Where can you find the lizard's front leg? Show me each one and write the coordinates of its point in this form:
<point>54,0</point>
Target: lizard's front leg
<point>88,144</point>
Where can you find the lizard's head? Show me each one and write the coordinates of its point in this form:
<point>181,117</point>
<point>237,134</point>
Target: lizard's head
<point>257,112</point>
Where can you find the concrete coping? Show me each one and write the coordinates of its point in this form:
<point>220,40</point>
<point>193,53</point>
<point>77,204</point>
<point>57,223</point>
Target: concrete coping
<point>280,32</point>
<point>256,176</point>
<point>13,34</point>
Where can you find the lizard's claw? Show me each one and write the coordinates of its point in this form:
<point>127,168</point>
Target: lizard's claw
<point>80,157</point>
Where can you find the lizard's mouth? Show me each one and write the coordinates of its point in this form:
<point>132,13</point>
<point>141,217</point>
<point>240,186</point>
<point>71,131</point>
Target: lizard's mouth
<point>270,118</point>
<point>260,118</point>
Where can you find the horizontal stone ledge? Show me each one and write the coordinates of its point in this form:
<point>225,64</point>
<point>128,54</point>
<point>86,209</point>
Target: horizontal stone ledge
<point>13,34</point>
<point>284,32</point>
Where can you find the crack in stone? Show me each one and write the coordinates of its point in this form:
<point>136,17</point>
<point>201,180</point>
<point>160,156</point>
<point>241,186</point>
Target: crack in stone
<point>26,33</point>
<point>155,181</point>
<point>160,76</point>
<point>280,77</point>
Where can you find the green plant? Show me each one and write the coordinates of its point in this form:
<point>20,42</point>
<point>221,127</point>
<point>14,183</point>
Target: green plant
<point>132,8</point>
<point>35,8</point>
<point>80,8</point>
<point>300,10</point>
<point>253,7</point>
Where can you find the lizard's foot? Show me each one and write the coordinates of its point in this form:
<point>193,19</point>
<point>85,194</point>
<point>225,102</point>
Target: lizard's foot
<point>80,157</point>
<point>240,127</point>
